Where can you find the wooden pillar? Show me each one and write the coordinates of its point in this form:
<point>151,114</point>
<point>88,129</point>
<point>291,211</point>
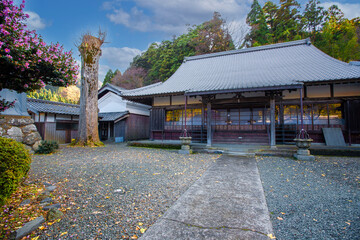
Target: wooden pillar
<point>272,122</point>
<point>208,125</point>
<point>185,130</point>
<point>202,122</point>
<point>281,121</point>
<point>109,131</point>
<point>151,124</point>
<point>302,108</point>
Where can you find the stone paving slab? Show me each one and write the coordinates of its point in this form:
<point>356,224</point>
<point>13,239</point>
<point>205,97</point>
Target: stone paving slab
<point>227,202</point>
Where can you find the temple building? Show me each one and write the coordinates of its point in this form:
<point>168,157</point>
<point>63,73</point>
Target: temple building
<point>255,96</point>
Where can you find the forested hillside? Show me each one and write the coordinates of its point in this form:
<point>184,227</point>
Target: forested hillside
<point>272,23</point>
<point>161,60</point>
<point>57,94</point>
<point>328,29</point>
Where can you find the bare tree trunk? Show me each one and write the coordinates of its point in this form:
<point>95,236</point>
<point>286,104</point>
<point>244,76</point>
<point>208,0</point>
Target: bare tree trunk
<point>90,50</point>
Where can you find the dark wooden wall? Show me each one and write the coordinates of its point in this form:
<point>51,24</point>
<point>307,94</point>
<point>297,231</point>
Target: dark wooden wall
<point>48,132</point>
<point>137,127</point>
<point>119,129</point>
<point>352,115</point>
<point>157,120</point>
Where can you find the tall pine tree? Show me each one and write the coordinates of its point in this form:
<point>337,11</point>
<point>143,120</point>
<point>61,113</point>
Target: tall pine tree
<point>259,33</point>
<point>314,17</point>
<point>287,24</point>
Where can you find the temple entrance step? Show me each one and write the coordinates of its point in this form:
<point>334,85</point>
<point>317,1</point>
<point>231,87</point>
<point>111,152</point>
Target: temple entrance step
<point>285,134</point>
<point>242,137</point>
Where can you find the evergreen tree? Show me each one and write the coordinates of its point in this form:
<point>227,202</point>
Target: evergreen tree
<point>270,9</point>
<point>334,14</point>
<point>314,16</point>
<point>287,24</point>
<point>109,75</point>
<point>259,33</point>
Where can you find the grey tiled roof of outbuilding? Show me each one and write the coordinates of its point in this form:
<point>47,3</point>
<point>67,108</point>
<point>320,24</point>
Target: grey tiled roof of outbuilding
<point>283,65</point>
<point>114,88</point>
<point>45,106</point>
<point>112,116</point>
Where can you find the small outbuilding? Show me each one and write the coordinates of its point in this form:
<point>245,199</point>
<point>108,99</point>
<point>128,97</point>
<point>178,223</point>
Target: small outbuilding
<point>55,121</point>
<point>120,119</point>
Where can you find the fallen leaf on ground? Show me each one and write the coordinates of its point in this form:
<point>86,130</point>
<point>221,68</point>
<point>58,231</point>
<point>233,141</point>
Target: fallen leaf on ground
<point>279,218</point>
<point>63,233</point>
<point>271,236</point>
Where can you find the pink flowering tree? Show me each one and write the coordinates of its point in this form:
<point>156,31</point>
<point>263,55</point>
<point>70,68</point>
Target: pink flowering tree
<point>26,62</point>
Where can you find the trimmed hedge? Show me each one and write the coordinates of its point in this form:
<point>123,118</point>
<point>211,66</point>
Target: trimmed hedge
<point>47,147</point>
<point>154,145</point>
<point>14,165</point>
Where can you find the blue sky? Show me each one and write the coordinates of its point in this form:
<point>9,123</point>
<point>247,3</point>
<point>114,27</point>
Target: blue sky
<point>132,25</point>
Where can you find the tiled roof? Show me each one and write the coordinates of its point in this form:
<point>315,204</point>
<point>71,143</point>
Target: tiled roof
<point>38,105</point>
<point>111,116</point>
<point>116,89</point>
<point>140,90</point>
<point>283,65</point>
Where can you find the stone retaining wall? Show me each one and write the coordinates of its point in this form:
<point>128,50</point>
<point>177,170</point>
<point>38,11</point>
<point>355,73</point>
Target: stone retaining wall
<point>21,129</point>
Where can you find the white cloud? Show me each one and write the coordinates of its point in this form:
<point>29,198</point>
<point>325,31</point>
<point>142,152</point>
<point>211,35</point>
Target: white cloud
<point>350,10</point>
<point>238,30</point>
<point>119,58</point>
<point>172,16</point>
<point>119,17</point>
<point>34,22</point>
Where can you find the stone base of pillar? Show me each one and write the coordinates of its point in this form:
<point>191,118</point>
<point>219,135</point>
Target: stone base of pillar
<point>185,149</point>
<point>185,145</point>
<point>181,151</point>
<point>273,147</point>
<point>304,157</point>
<point>303,152</point>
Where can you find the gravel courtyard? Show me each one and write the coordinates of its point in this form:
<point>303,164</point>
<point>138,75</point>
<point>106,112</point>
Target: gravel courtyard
<point>117,192</point>
<point>312,200</point>
<point>114,192</point>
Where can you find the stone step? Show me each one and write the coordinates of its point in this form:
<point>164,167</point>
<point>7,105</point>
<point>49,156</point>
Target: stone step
<point>239,153</point>
<point>27,228</point>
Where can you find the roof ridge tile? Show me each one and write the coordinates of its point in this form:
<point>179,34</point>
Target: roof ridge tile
<point>52,102</point>
<point>251,49</point>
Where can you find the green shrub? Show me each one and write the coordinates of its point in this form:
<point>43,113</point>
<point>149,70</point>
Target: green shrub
<point>155,145</point>
<point>47,147</point>
<point>14,166</point>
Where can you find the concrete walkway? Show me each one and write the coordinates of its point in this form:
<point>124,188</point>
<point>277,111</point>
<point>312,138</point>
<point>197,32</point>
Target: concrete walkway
<point>227,202</point>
